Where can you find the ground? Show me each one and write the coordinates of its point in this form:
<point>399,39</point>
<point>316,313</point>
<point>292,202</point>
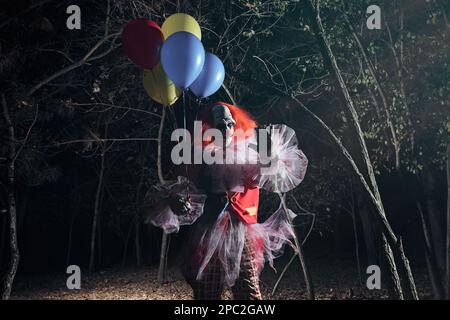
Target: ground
<point>332,280</point>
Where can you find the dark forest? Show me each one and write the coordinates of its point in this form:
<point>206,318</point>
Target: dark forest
<point>83,147</point>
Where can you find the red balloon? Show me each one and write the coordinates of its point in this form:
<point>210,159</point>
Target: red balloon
<point>142,40</point>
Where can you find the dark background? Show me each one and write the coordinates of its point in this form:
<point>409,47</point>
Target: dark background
<point>270,55</point>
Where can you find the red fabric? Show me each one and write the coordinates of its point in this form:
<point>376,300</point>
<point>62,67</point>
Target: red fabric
<point>245,204</point>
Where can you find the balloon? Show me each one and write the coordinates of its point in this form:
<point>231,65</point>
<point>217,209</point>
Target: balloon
<point>211,77</point>
<point>142,40</point>
<point>181,22</point>
<point>182,57</point>
<point>159,87</point>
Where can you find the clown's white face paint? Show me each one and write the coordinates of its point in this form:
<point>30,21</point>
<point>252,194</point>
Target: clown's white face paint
<point>224,122</point>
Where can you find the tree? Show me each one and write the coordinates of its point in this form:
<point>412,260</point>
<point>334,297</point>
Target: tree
<point>391,240</point>
<point>14,246</point>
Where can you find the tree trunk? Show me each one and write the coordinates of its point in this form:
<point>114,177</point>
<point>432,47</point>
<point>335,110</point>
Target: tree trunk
<point>137,243</point>
<point>370,67</point>
<point>447,246</point>
<point>69,241</point>
<point>389,235</point>
<point>395,286</point>
<point>399,58</point>
<point>125,245</point>
<point>306,274</point>
<point>165,236</point>
<point>22,208</point>
<point>338,245</point>
<point>407,276</point>
<point>96,212</point>
<point>74,205</point>
<point>137,218</point>
<point>99,254</point>
<point>160,134</point>
<point>433,272</point>
<point>435,219</point>
<point>4,221</point>
<point>305,270</point>
<point>369,236</point>
<point>356,237</point>
<point>14,246</point>
<point>163,258</point>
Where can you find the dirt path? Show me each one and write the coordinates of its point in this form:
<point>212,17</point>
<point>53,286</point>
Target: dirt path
<point>331,280</point>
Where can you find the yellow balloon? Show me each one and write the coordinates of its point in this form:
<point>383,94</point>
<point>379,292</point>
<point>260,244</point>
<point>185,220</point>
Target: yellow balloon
<point>181,22</point>
<point>159,87</point>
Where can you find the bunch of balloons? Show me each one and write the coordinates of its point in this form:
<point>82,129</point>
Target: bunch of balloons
<point>173,58</point>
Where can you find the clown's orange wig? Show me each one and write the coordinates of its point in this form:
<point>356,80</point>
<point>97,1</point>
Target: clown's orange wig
<point>244,120</point>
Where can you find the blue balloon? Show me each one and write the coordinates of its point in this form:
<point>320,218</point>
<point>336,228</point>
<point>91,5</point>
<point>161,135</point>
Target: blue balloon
<point>211,77</point>
<point>182,58</point>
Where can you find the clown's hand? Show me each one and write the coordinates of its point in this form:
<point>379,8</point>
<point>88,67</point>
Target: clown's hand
<point>180,205</point>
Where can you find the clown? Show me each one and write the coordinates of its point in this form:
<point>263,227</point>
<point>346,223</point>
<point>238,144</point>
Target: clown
<point>226,245</point>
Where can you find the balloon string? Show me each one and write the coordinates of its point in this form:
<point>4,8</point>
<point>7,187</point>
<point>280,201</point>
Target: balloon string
<point>198,108</point>
<point>155,81</point>
<point>184,140</point>
<point>184,113</point>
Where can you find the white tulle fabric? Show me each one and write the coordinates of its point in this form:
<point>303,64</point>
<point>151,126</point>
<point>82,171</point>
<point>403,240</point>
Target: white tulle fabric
<point>287,162</point>
<point>226,238</point>
<point>162,216</point>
